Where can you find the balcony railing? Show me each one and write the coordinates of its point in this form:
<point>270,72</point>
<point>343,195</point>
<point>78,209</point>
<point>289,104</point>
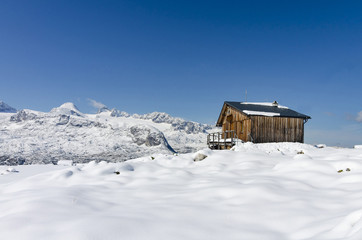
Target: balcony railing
<point>222,140</point>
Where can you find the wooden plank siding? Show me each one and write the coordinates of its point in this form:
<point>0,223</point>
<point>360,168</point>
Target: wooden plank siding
<point>235,120</point>
<point>277,129</point>
<point>261,129</point>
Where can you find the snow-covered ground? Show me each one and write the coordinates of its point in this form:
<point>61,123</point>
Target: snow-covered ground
<point>258,191</point>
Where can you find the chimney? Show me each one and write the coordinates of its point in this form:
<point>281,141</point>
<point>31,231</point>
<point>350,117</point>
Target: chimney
<point>275,104</point>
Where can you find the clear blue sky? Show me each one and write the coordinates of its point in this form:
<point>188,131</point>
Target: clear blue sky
<point>187,57</point>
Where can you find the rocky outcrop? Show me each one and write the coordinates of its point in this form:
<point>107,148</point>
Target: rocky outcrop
<point>23,115</point>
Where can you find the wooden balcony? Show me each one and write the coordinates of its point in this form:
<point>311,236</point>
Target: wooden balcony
<point>222,140</point>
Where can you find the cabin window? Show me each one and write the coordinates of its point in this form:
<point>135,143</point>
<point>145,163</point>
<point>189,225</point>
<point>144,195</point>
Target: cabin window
<point>242,126</point>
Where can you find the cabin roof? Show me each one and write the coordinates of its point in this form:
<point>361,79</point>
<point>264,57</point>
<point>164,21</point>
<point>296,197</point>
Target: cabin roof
<point>264,109</point>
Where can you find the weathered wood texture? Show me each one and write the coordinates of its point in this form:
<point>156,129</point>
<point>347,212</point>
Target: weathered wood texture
<point>261,129</point>
<point>235,120</point>
<point>277,129</point>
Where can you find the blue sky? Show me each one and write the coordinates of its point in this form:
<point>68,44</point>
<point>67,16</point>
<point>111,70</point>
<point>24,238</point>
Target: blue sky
<point>187,57</point>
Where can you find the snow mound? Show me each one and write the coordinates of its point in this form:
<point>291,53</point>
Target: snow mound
<point>258,191</point>
<point>65,162</point>
<point>348,226</point>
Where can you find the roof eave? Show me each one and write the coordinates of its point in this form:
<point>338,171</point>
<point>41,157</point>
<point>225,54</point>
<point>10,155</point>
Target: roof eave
<point>253,115</point>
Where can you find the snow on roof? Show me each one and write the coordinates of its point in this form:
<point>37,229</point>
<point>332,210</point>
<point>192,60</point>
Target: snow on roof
<point>270,104</point>
<point>265,109</point>
<point>268,114</point>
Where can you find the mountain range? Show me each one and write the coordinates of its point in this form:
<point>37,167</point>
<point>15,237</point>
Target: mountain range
<point>65,133</point>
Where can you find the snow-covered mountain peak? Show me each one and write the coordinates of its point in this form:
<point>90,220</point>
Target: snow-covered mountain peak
<point>67,108</point>
<point>177,124</point>
<point>5,108</point>
<point>118,113</point>
<point>157,117</point>
<point>103,110</point>
<point>69,105</point>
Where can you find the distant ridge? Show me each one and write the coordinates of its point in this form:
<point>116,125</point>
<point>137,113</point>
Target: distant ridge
<point>5,108</point>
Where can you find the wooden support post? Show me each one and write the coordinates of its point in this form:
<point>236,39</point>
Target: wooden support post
<point>218,141</point>
<point>232,140</point>
<point>225,139</point>
<point>213,140</point>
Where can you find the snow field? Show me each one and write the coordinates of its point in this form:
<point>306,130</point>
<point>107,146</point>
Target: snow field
<point>257,191</point>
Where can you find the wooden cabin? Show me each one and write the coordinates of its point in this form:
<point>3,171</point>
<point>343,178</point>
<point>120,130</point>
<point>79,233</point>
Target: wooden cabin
<point>257,123</point>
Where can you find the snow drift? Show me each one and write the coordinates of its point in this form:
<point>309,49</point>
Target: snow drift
<point>258,191</point>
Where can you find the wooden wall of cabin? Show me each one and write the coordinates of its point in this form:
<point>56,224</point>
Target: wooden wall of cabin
<point>235,120</point>
<point>277,129</point>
